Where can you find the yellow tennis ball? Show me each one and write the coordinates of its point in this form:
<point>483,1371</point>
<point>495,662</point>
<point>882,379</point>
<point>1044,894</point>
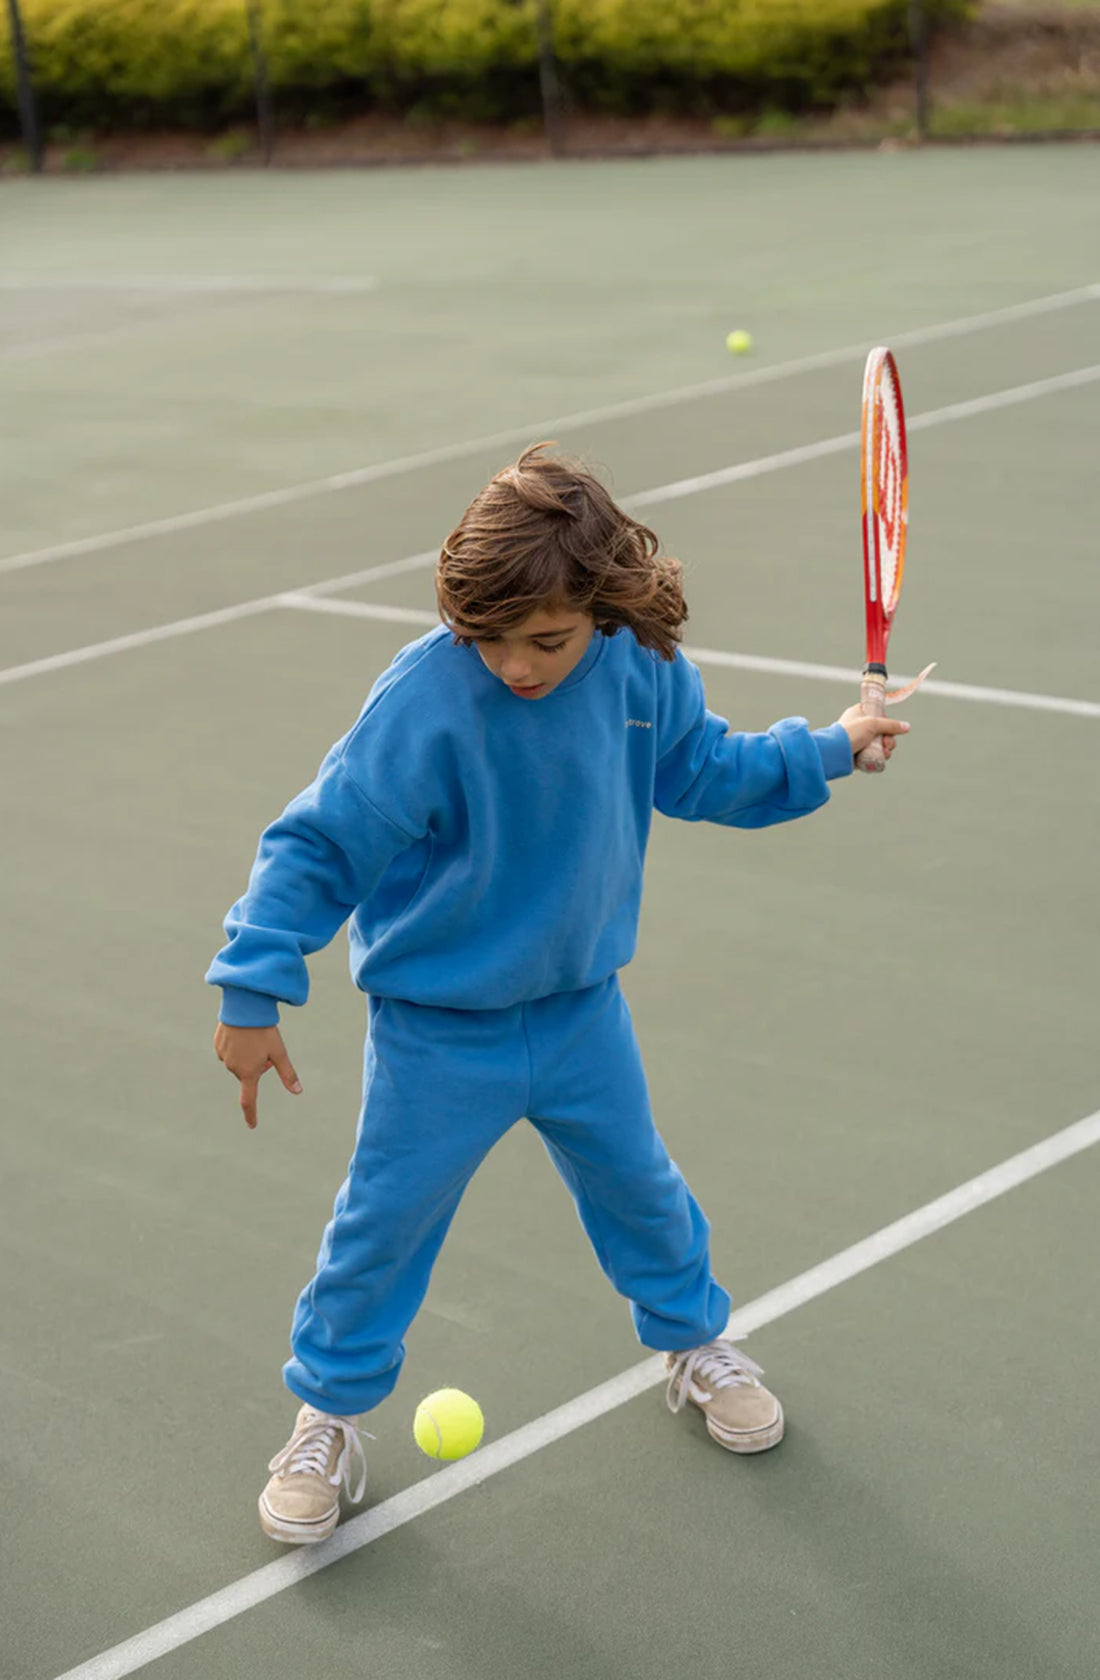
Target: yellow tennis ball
<point>740,342</point>
<point>448,1424</point>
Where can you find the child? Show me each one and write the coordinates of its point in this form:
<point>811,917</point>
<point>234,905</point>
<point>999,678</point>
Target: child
<point>484,825</point>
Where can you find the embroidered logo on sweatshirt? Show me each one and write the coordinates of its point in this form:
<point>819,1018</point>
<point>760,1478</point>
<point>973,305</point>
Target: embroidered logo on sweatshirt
<point>638,723</point>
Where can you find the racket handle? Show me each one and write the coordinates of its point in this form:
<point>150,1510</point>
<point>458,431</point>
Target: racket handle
<point>872,696</point>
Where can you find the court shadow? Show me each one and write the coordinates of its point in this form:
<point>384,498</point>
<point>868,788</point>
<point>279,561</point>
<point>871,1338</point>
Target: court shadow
<point>921,1611</point>
<point>792,1557</point>
<point>417,1609</point>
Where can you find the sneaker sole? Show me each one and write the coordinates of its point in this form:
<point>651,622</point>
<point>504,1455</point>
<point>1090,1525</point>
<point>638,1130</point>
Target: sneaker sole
<point>296,1533</point>
<point>747,1441</point>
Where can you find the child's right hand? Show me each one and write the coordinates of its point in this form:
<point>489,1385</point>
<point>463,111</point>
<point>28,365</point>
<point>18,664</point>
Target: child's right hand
<point>248,1052</point>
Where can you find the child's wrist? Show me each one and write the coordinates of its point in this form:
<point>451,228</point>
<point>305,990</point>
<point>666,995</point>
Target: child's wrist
<point>242,1008</point>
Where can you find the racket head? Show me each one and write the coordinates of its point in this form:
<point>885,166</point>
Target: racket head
<point>885,495</point>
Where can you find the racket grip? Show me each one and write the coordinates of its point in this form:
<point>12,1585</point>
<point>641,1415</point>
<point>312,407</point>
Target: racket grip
<point>872,696</point>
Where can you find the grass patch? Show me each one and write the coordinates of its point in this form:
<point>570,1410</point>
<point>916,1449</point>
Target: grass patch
<point>231,146</point>
<point>80,160</point>
<point>731,127</point>
<point>1023,113</point>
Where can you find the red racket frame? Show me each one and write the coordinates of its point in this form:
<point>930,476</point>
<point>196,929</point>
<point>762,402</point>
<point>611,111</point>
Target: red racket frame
<point>881,476</point>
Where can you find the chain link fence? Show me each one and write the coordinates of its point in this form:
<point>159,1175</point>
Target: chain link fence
<point>535,77</point>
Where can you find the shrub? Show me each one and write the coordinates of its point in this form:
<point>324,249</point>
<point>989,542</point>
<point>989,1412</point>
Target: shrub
<point>133,63</point>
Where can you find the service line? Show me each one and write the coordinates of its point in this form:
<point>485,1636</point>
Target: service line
<point>536,429</point>
<point>303,601</point>
<point>661,493</point>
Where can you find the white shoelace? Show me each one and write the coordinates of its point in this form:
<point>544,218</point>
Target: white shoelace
<point>720,1364</point>
<point>307,1453</point>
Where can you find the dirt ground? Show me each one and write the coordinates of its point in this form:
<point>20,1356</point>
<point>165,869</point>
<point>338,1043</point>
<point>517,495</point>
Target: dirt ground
<point>1017,69</point>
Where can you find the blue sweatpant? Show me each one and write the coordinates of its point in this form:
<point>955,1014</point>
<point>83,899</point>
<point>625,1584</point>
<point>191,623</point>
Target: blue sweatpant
<point>440,1087</point>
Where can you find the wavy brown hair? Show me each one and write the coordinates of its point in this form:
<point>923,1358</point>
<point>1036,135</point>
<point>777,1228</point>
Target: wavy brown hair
<point>544,534</point>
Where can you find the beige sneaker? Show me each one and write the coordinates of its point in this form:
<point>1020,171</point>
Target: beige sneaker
<point>301,1502</point>
<point>724,1383</point>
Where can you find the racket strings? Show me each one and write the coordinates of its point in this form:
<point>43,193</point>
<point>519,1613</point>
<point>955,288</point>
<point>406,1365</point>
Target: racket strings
<point>889,494</point>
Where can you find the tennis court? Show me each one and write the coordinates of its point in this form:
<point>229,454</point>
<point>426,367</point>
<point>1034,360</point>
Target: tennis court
<point>240,414</point>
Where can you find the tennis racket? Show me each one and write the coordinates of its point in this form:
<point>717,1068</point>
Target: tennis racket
<point>885,485</point>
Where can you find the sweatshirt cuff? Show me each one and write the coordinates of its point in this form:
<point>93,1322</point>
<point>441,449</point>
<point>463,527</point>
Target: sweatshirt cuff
<point>835,748</point>
<point>247,1009</point>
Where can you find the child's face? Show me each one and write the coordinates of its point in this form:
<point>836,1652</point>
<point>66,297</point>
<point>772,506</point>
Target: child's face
<point>535,656</point>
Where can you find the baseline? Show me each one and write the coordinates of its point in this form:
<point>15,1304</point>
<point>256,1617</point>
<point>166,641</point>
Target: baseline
<point>264,1583</point>
<point>160,285</point>
<point>188,284</point>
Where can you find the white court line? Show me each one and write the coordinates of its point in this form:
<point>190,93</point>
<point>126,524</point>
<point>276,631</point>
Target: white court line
<point>139,638</point>
<point>437,1489</point>
<point>848,440</point>
<point>666,492</point>
<point>948,690</point>
<point>78,341</point>
<point>371,574</point>
<point>202,621</point>
<point>166,285</point>
<point>304,602</point>
<point>539,429</point>
<point>298,598</point>
<point>186,284</point>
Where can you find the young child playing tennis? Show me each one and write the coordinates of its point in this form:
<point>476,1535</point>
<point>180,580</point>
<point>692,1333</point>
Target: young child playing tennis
<point>484,824</point>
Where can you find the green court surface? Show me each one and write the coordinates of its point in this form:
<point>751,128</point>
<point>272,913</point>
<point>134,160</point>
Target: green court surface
<point>224,391</point>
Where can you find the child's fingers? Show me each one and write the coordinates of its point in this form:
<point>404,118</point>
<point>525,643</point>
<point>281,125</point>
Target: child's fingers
<point>891,726</point>
<point>281,1064</point>
<point>249,1090</point>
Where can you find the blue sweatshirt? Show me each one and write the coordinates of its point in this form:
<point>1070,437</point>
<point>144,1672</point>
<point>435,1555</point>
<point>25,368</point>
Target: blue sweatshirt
<point>489,849</point>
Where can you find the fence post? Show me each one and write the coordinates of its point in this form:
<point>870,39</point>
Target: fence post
<point>549,85</point>
<point>918,39</point>
<point>28,105</point>
<point>265,117</point>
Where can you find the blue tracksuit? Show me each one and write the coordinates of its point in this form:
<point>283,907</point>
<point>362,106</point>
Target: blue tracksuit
<point>488,851</point>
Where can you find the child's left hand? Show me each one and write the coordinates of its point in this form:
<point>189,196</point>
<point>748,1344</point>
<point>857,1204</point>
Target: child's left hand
<point>862,730</point>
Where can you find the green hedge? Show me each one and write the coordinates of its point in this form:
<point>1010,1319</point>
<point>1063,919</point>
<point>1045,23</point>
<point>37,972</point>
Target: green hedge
<point>139,63</point>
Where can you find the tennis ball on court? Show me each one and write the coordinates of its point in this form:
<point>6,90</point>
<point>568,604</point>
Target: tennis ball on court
<point>448,1424</point>
<point>740,342</point>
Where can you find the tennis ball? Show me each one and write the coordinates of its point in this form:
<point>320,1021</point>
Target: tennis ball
<point>448,1424</point>
<point>740,342</point>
